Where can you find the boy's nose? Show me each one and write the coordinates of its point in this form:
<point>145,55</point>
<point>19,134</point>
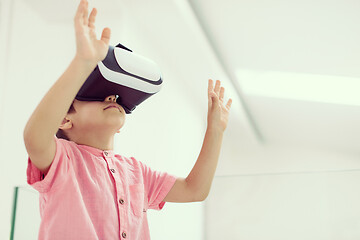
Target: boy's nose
<point>111,98</point>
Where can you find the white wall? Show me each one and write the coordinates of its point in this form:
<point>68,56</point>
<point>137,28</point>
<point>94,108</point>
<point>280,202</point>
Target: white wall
<point>286,191</point>
<point>165,132</point>
<point>279,206</point>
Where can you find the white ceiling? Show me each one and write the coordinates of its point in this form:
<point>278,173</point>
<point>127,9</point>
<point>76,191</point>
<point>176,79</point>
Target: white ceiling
<point>301,36</point>
<point>202,39</point>
<point>319,37</point>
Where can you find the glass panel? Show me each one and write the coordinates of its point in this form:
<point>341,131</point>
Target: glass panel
<point>26,215</point>
<point>297,206</point>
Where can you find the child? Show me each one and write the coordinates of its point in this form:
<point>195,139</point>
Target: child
<point>86,190</point>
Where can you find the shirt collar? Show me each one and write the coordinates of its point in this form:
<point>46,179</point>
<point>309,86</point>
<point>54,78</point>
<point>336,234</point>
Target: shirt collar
<point>97,152</point>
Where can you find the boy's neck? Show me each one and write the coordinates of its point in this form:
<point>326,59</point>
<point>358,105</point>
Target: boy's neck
<point>102,142</point>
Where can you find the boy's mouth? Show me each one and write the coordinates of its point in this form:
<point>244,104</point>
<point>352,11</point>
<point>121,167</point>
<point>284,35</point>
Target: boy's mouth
<point>112,106</point>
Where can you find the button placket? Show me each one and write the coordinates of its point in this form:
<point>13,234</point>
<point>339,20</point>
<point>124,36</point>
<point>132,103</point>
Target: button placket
<point>107,157</point>
<point>122,202</point>
<point>107,154</point>
<point>115,172</point>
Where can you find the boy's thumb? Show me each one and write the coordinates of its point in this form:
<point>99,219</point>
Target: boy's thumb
<point>105,36</point>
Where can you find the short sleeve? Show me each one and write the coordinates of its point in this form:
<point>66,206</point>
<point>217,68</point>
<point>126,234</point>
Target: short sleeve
<point>57,171</point>
<point>157,186</point>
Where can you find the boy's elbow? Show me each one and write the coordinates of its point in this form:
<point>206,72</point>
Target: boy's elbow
<point>34,141</point>
<point>29,141</point>
<point>201,196</point>
<point>26,136</point>
<point>196,193</point>
<point>29,137</point>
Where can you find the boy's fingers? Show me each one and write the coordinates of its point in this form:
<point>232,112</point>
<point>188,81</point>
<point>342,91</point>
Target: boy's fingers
<point>80,9</point>
<point>92,18</point>
<point>85,13</point>
<point>217,87</point>
<point>209,102</point>
<point>105,36</point>
<point>210,85</point>
<point>221,96</point>
<point>228,105</point>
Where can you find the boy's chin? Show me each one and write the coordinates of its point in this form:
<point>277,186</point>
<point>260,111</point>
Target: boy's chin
<point>119,128</point>
<point>115,123</point>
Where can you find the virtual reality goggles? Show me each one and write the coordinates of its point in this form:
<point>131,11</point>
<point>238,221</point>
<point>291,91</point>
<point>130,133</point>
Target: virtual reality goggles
<point>132,77</point>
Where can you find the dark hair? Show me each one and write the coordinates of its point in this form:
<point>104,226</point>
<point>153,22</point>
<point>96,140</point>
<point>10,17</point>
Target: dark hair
<point>61,133</point>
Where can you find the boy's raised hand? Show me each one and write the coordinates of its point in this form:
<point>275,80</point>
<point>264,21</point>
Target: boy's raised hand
<point>218,113</point>
<point>196,186</point>
<point>88,47</point>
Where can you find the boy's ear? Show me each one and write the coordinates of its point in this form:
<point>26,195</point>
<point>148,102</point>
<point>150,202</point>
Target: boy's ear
<point>66,124</point>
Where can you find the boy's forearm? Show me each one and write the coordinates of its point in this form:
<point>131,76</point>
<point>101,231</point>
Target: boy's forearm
<point>202,174</point>
<point>48,115</point>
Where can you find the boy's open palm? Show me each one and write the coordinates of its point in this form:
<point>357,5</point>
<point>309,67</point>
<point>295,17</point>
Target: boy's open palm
<point>218,113</point>
<point>88,47</point>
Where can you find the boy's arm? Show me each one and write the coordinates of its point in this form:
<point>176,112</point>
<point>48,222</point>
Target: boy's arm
<point>196,186</point>
<point>45,120</point>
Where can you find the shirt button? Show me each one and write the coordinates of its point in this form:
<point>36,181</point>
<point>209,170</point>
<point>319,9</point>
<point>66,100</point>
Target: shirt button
<point>123,234</point>
<point>106,153</point>
<point>121,201</point>
<point>112,170</point>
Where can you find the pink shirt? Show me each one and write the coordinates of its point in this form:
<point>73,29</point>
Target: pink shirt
<point>93,194</point>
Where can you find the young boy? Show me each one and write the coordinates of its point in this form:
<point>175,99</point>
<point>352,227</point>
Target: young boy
<point>86,190</point>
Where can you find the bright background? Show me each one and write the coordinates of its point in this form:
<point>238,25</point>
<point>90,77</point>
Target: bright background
<point>290,162</point>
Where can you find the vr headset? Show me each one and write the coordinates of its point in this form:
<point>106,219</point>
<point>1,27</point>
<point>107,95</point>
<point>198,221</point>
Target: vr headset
<point>132,77</point>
